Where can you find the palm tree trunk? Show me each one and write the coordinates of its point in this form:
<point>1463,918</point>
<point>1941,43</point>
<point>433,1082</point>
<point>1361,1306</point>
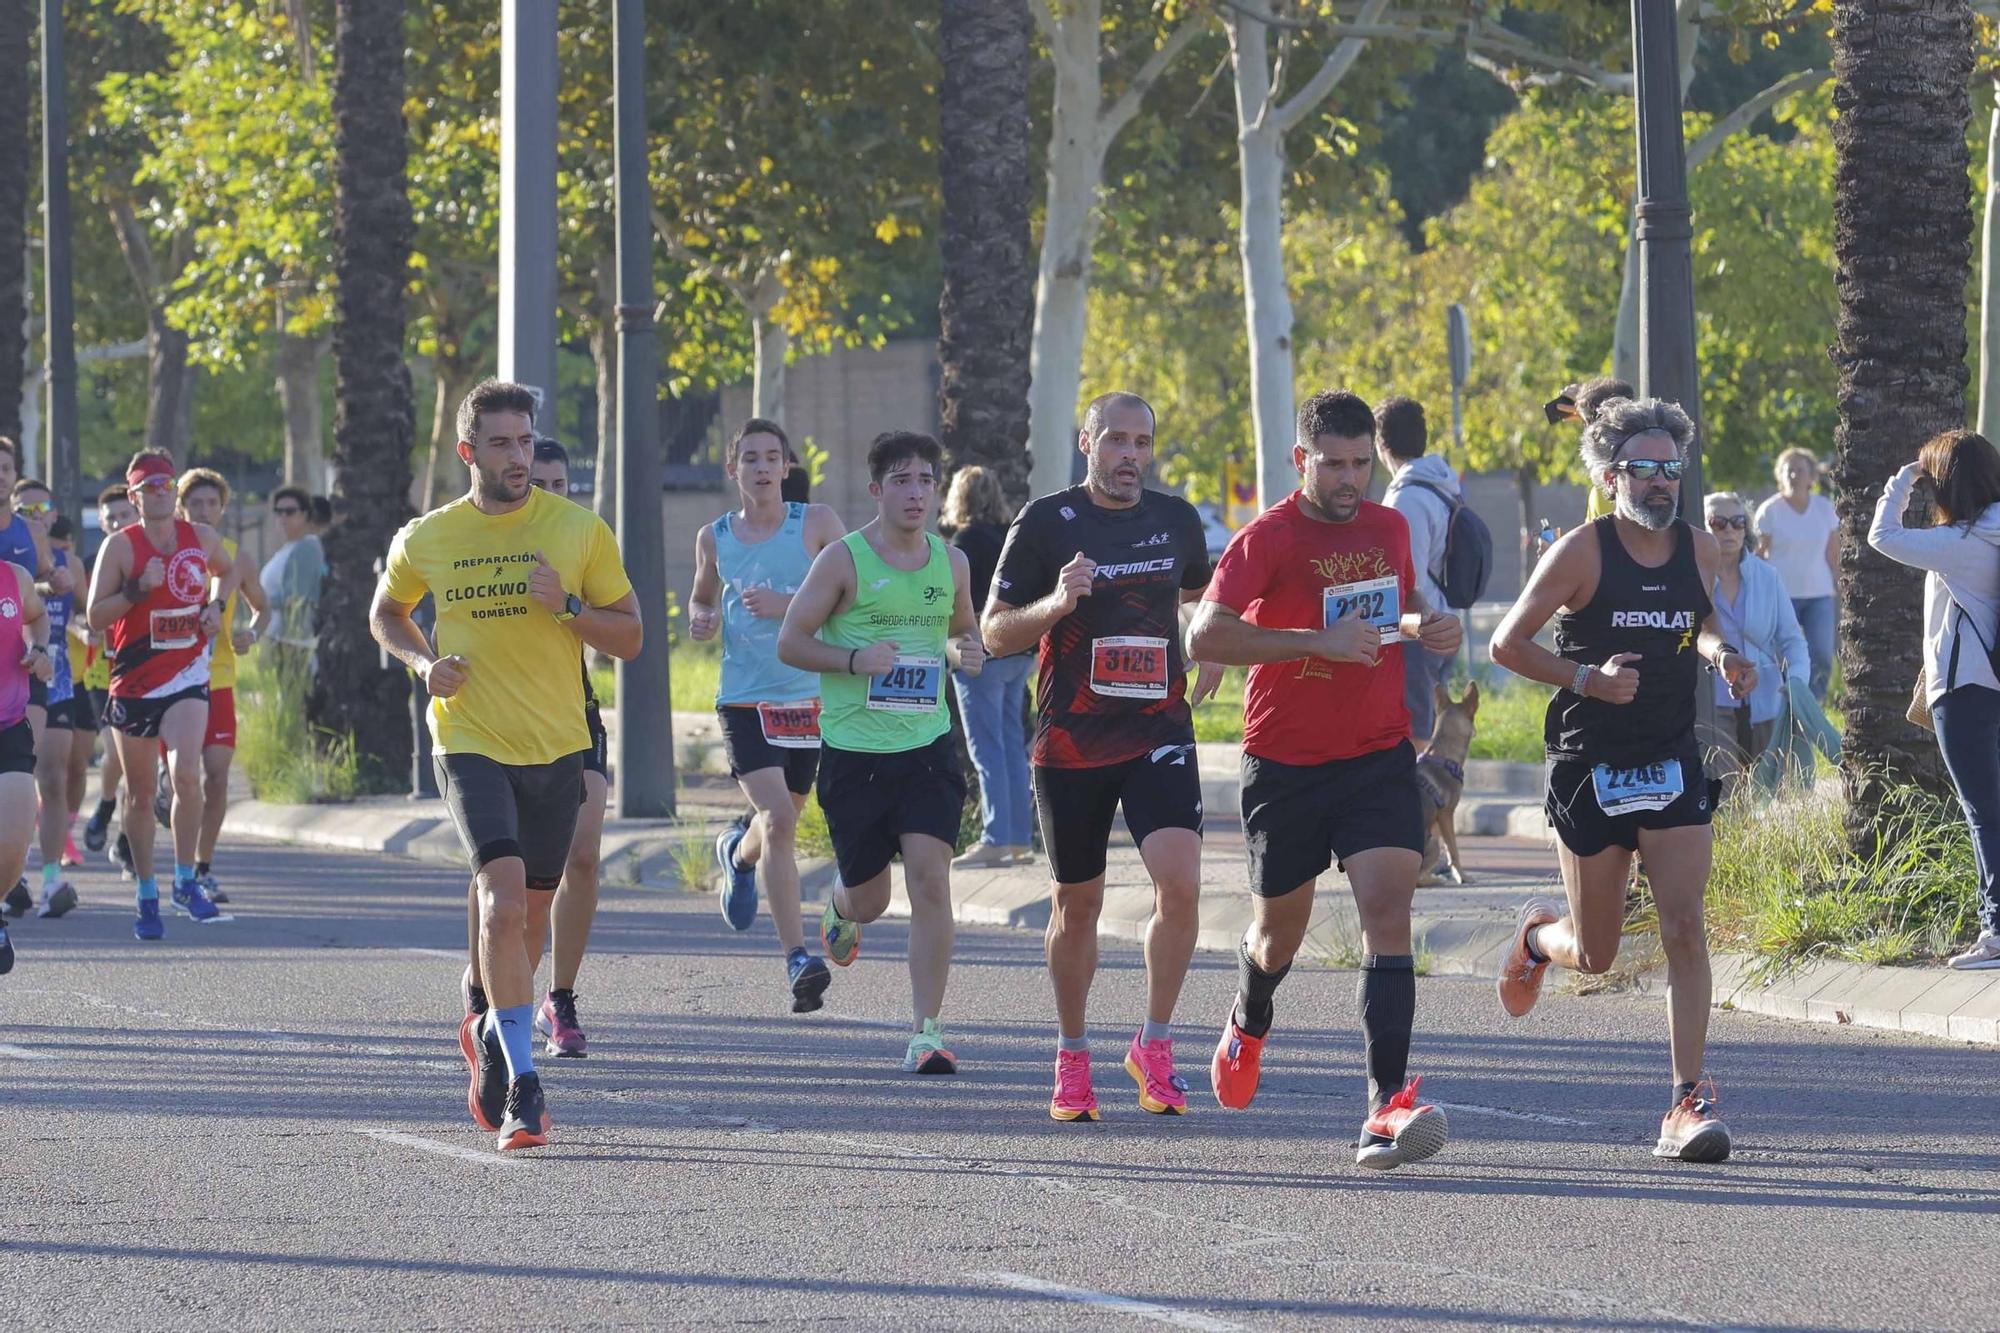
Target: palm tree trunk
<point>16,155</point>
<point>987,311</point>
<point>374,409</point>
<point>1903,255</point>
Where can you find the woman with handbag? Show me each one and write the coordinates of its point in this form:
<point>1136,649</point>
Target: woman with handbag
<point>1753,611</point>
<point>1961,616</point>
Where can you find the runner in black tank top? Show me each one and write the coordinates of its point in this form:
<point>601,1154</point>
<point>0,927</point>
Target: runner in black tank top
<point>1624,771</point>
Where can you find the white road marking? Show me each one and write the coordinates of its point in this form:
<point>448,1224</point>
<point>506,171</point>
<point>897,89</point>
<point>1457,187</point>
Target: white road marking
<point>23,1053</point>
<point>494,1158</point>
<point>456,955</point>
<point>1529,1116</point>
<point>1164,1314</point>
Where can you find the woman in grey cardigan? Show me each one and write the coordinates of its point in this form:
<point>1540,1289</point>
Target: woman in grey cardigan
<point>1961,611</point>
<point>1753,612</point>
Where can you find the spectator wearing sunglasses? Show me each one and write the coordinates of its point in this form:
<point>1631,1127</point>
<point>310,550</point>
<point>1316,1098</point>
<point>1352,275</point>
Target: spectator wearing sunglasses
<point>291,578</point>
<point>1753,612</point>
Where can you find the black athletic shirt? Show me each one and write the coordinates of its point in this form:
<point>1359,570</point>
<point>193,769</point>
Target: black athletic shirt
<point>1655,612</point>
<point>1100,702</point>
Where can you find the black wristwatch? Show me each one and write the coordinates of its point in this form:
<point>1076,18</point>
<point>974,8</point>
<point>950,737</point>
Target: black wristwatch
<point>1715,664</point>
<point>572,608</point>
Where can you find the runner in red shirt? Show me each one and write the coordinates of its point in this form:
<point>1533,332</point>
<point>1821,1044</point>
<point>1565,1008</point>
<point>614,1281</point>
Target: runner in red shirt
<point>1316,595</point>
<point>153,593</point>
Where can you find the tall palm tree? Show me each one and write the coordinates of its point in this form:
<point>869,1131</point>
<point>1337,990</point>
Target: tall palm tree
<point>16,155</point>
<point>987,311</point>
<point>374,409</point>
<point>1903,254</point>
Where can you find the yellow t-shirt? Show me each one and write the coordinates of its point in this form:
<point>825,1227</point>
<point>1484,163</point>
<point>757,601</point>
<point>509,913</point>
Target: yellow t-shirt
<point>222,655</point>
<point>522,702</point>
<point>1597,506</point>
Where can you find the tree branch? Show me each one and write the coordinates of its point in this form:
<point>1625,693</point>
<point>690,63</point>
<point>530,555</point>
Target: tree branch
<point>1120,112</point>
<point>707,268</point>
<point>1301,103</point>
<point>1736,121</point>
<point>1045,19</point>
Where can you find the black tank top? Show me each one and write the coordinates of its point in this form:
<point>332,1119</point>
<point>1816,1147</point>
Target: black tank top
<point>1657,613</point>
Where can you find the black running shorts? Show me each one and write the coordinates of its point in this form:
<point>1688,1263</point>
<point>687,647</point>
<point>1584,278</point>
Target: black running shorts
<point>743,741</point>
<point>524,810</point>
<point>73,714</point>
<point>597,759</point>
<point>142,717</point>
<point>1077,805</point>
<point>1586,830</point>
<point>872,800</point>
<point>38,692</point>
<point>17,748</point>
<point>1300,819</point>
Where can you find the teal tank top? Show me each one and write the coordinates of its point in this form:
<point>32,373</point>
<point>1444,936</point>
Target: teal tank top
<point>751,671</point>
<point>903,709</point>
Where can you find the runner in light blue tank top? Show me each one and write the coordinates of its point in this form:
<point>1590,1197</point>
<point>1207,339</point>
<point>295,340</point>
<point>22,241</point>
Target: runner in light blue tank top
<point>751,671</point>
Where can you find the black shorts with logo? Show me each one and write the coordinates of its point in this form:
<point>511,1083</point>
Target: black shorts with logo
<point>1298,819</point>
<point>743,741</point>
<point>524,810</point>
<point>142,717</point>
<point>1077,805</point>
<point>17,748</point>
<point>872,800</point>
<point>75,713</point>
<point>1586,830</point>
<point>597,759</point>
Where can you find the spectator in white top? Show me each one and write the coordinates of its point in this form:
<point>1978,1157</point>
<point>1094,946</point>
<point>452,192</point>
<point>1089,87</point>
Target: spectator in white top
<point>1422,488</point>
<point>1799,533</point>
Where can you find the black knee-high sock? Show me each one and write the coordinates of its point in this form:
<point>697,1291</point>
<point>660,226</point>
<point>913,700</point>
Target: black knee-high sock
<point>1254,989</point>
<point>1388,996</point>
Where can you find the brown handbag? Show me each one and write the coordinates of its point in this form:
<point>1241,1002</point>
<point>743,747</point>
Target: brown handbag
<point>1919,710</point>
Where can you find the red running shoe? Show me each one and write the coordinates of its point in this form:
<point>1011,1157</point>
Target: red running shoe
<point>1402,1131</point>
<point>1237,1065</point>
<point>1692,1132</point>
<point>1520,983</point>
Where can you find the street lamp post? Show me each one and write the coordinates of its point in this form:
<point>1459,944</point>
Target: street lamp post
<point>65,468</point>
<point>528,200</point>
<point>645,763</point>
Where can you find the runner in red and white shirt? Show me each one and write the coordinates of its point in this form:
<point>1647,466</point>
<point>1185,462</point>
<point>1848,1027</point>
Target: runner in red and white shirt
<point>1317,596</point>
<point>154,593</point>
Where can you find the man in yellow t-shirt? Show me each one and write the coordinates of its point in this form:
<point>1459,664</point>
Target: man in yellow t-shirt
<point>520,577</point>
<point>204,494</point>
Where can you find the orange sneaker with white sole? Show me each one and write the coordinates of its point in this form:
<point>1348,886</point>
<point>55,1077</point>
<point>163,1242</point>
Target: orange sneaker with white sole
<point>1402,1131</point>
<point>1520,983</point>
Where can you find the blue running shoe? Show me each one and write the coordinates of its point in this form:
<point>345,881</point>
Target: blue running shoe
<point>191,900</point>
<point>148,925</point>
<point>6,952</point>
<point>739,887</point>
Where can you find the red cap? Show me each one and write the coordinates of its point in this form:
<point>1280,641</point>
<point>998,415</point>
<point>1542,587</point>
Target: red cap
<point>151,465</point>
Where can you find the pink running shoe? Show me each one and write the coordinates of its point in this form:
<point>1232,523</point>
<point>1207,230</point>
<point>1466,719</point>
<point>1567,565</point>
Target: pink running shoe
<point>557,1017</point>
<point>71,856</point>
<point>1073,1098</point>
<point>1151,1065</point>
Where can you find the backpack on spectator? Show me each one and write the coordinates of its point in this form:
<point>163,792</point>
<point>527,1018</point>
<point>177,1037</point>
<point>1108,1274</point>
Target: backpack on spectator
<point>1468,550</point>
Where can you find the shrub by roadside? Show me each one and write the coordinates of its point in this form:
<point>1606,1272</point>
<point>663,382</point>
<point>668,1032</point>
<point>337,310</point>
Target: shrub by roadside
<point>282,755</point>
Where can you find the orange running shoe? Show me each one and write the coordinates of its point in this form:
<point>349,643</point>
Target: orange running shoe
<point>1520,983</point>
<point>1238,1062</point>
<point>1692,1132</point>
<point>1073,1098</point>
<point>1402,1131</point>
<point>486,1063</point>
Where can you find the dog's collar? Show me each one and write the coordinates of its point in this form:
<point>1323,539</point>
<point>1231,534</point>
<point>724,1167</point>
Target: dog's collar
<point>1451,766</point>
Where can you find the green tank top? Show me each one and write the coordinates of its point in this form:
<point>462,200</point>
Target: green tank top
<point>903,709</point>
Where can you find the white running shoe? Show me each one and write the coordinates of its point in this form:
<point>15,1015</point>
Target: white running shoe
<point>1983,955</point>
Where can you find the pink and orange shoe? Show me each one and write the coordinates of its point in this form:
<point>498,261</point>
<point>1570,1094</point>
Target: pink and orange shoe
<point>1520,983</point>
<point>1073,1099</point>
<point>1692,1131</point>
<point>1402,1131</point>
<point>71,856</point>
<point>1151,1065</point>
<point>1238,1063</point>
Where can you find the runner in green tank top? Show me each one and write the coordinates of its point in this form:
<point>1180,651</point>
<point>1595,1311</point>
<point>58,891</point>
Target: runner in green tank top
<point>882,616</point>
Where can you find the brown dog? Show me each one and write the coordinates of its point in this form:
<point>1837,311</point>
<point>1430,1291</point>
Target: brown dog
<point>1441,781</point>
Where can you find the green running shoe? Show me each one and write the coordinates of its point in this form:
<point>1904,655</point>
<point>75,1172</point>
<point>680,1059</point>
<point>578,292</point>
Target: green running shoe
<point>840,937</point>
<point>927,1053</point>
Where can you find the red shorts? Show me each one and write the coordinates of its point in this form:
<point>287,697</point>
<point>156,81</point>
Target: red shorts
<point>221,721</point>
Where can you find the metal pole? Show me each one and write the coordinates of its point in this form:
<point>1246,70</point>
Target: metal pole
<point>645,761</point>
<point>64,467</point>
<point>528,197</point>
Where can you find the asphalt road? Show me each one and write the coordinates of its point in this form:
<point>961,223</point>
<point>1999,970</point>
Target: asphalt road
<point>262,1124</point>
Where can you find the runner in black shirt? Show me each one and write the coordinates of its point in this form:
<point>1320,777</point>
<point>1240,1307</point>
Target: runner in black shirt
<point>1625,774</point>
<point>1097,574</point>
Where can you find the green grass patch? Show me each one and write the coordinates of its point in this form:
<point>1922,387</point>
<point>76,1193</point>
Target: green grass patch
<point>285,758</point>
<point>1510,719</point>
<point>692,672</point>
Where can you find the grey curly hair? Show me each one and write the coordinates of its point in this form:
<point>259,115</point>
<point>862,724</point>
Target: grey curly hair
<point>1619,420</point>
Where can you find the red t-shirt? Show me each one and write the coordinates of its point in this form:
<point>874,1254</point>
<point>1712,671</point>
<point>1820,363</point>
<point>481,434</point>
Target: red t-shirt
<point>1276,574</point>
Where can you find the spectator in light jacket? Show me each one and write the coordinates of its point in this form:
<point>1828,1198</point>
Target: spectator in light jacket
<point>1961,610</point>
<point>1753,612</point>
<point>1422,488</point>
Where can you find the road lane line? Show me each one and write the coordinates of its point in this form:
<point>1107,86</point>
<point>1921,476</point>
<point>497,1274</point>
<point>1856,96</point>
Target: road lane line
<point>456,955</point>
<point>23,1053</point>
<point>441,1149</point>
<point>1165,1314</point>
<point>1531,1117</point>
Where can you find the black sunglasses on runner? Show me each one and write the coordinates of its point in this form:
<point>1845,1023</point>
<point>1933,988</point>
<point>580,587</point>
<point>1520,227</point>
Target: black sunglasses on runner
<point>1645,469</point>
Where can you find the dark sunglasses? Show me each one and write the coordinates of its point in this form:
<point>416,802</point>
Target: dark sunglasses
<point>1740,522</point>
<point>1645,469</point>
<point>286,511</point>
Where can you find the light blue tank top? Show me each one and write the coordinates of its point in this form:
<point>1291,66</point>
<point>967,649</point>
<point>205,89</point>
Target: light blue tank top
<point>751,671</point>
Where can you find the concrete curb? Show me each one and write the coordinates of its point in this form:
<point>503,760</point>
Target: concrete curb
<point>1932,1002</point>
